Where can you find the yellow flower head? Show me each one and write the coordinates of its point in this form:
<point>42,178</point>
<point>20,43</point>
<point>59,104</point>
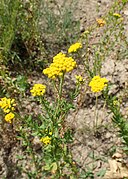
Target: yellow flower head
<point>50,133</point>
<point>100,22</point>
<point>116,103</point>
<point>59,56</point>
<point>74,47</point>
<point>97,84</point>
<point>86,32</point>
<point>9,117</point>
<point>79,78</point>
<point>46,140</point>
<point>38,90</point>
<point>117,15</point>
<point>60,65</point>
<point>7,104</point>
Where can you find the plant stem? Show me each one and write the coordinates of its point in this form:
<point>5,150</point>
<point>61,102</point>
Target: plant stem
<point>42,101</point>
<point>61,85</point>
<point>55,87</point>
<point>60,95</point>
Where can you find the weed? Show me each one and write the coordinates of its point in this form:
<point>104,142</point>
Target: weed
<point>118,119</point>
<point>112,35</point>
<point>59,21</point>
<point>21,37</point>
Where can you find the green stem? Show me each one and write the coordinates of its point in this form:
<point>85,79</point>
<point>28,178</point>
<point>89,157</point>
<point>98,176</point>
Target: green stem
<point>42,101</point>
<point>61,85</point>
<point>30,148</point>
<point>60,95</point>
<point>55,87</point>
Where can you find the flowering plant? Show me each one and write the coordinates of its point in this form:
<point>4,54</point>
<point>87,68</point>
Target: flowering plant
<point>97,84</point>
<point>74,47</point>
<point>8,106</point>
<point>61,64</point>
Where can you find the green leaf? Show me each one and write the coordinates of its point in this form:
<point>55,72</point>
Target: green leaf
<point>54,167</point>
<point>101,173</point>
<point>47,167</point>
<point>21,83</point>
<point>20,157</point>
<point>124,1</point>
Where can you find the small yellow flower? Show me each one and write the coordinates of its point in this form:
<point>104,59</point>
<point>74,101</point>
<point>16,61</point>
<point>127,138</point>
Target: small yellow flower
<point>79,78</point>
<point>9,117</point>
<point>116,103</point>
<point>97,84</point>
<point>117,15</point>
<point>46,140</point>
<point>61,64</point>
<point>100,22</point>
<point>50,133</point>
<point>59,56</point>
<point>74,47</point>
<point>7,104</point>
<point>38,90</point>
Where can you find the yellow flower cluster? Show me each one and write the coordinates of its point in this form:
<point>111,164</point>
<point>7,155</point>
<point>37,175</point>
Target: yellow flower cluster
<point>7,106</point>
<point>74,47</point>
<point>79,78</point>
<point>117,15</point>
<point>46,140</point>
<point>100,22</point>
<point>9,117</point>
<point>60,65</point>
<point>38,90</point>
<point>116,103</point>
<point>97,84</point>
